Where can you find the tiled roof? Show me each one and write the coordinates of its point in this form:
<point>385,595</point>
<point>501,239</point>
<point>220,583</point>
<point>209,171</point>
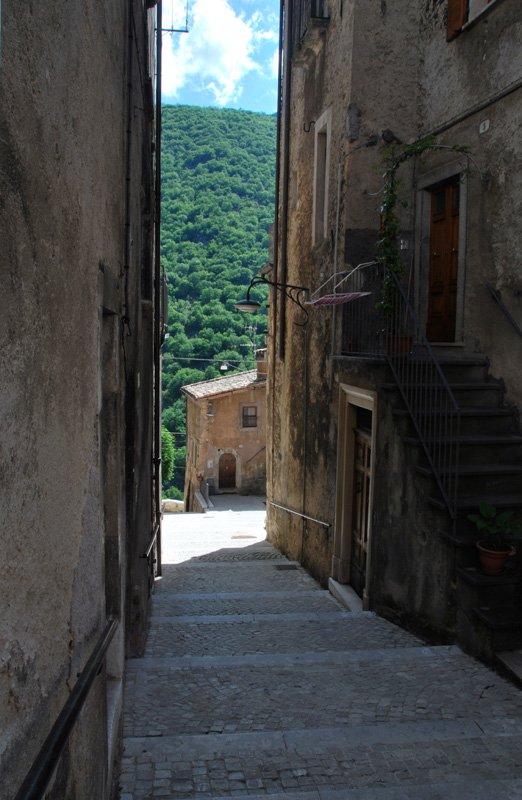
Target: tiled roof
<point>229,383</point>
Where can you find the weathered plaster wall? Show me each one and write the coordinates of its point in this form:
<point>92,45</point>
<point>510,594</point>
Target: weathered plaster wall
<point>62,405</point>
<point>477,66</point>
<point>359,69</point>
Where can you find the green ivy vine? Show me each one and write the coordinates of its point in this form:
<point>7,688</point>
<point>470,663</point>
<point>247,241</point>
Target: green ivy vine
<point>387,248</point>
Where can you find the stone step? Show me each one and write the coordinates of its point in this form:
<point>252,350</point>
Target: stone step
<point>473,420</point>
<point>395,756</point>
<point>228,638</point>
<point>504,623</point>
<point>459,790</point>
<point>470,503</point>
<point>484,478</point>
<point>482,449</point>
<point>248,695</point>
<point>232,603</point>
<point>471,393</point>
<point>476,589</point>
<point>509,663</point>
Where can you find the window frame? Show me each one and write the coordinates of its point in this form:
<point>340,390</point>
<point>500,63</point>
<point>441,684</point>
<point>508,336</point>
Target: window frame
<point>245,416</point>
<point>462,13</point>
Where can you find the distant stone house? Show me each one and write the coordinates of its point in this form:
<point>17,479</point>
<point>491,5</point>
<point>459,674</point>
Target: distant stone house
<point>226,436</point>
<point>388,447</point>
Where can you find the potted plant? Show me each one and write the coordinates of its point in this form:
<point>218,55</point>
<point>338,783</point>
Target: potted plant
<point>499,537</point>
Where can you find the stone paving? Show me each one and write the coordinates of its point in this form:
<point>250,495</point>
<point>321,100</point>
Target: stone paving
<point>256,683</point>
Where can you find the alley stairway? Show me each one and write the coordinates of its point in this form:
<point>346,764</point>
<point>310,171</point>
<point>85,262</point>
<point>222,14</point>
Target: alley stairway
<point>489,618</point>
<point>257,684</point>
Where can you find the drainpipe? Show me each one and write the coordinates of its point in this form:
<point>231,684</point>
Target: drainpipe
<point>157,298</point>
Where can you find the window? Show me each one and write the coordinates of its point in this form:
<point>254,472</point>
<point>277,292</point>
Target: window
<point>462,11</point>
<point>249,416</point>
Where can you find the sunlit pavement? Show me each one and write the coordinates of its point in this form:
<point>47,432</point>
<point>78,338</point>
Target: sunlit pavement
<point>227,525</point>
<point>257,684</point>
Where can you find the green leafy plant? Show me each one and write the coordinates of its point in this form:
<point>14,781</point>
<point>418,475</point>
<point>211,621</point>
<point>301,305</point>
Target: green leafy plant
<point>496,528</point>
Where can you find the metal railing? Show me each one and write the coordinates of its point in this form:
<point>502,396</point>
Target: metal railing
<point>395,334</point>
<point>496,297</point>
<point>299,514</point>
<point>38,777</point>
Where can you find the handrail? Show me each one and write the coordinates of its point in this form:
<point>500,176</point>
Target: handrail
<point>155,532</point>
<point>428,397</point>
<point>395,335</point>
<point>39,775</point>
<point>504,309</point>
<point>298,514</point>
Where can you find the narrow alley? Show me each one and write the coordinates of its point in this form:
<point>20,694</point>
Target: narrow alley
<point>257,683</point>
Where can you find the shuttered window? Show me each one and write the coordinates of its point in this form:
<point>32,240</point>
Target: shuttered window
<point>249,417</point>
<point>462,11</point>
<point>457,13</point>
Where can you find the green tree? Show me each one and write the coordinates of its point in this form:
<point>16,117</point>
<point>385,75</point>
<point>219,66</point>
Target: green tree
<point>218,182</point>
<point>167,455</point>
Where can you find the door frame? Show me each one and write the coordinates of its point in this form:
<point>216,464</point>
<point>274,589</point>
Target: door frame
<point>351,398</point>
<point>425,184</point>
<point>233,454</point>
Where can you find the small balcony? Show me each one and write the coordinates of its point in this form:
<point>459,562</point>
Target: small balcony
<point>379,323</point>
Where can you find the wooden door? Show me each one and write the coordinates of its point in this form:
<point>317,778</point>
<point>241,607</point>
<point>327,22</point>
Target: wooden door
<point>360,509</point>
<point>227,471</point>
<point>444,256</point>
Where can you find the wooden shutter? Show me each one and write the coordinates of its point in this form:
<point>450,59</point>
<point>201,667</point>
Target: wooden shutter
<point>457,10</point>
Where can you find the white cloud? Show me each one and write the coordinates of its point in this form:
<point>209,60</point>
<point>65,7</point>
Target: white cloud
<point>220,49</point>
<point>275,64</point>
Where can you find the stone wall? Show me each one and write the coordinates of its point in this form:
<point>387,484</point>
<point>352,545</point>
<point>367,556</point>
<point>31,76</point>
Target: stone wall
<point>75,372</point>
<point>373,68</point>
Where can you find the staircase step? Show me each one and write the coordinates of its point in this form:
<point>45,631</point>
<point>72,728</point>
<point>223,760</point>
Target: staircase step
<point>479,470</point>
<point>471,503</point>
<point>477,578</point>
<point>477,393</point>
<point>457,369</point>
<point>509,664</point>
<point>484,478</point>
<point>479,590</point>
<point>481,448</point>
<point>475,420</point>
<point>504,623</point>
<point>500,617</point>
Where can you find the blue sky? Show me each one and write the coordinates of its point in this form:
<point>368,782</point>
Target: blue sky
<point>229,57</point>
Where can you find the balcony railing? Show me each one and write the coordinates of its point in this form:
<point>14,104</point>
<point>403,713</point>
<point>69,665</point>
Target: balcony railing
<point>394,334</point>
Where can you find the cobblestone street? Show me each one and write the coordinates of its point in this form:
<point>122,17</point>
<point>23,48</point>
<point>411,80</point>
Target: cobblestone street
<point>256,683</point>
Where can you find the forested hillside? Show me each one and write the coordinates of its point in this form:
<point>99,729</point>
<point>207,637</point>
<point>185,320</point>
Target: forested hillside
<point>218,174</point>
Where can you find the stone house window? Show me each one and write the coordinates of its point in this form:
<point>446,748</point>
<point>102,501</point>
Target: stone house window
<point>249,417</point>
<point>460,12</point>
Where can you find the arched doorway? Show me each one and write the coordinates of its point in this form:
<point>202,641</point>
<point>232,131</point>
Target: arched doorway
<point>227,471</point>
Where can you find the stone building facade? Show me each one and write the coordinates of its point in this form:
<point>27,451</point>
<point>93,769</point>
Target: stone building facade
<point>77,372</point>
<point>363,81</point>
<point>226,436</point>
